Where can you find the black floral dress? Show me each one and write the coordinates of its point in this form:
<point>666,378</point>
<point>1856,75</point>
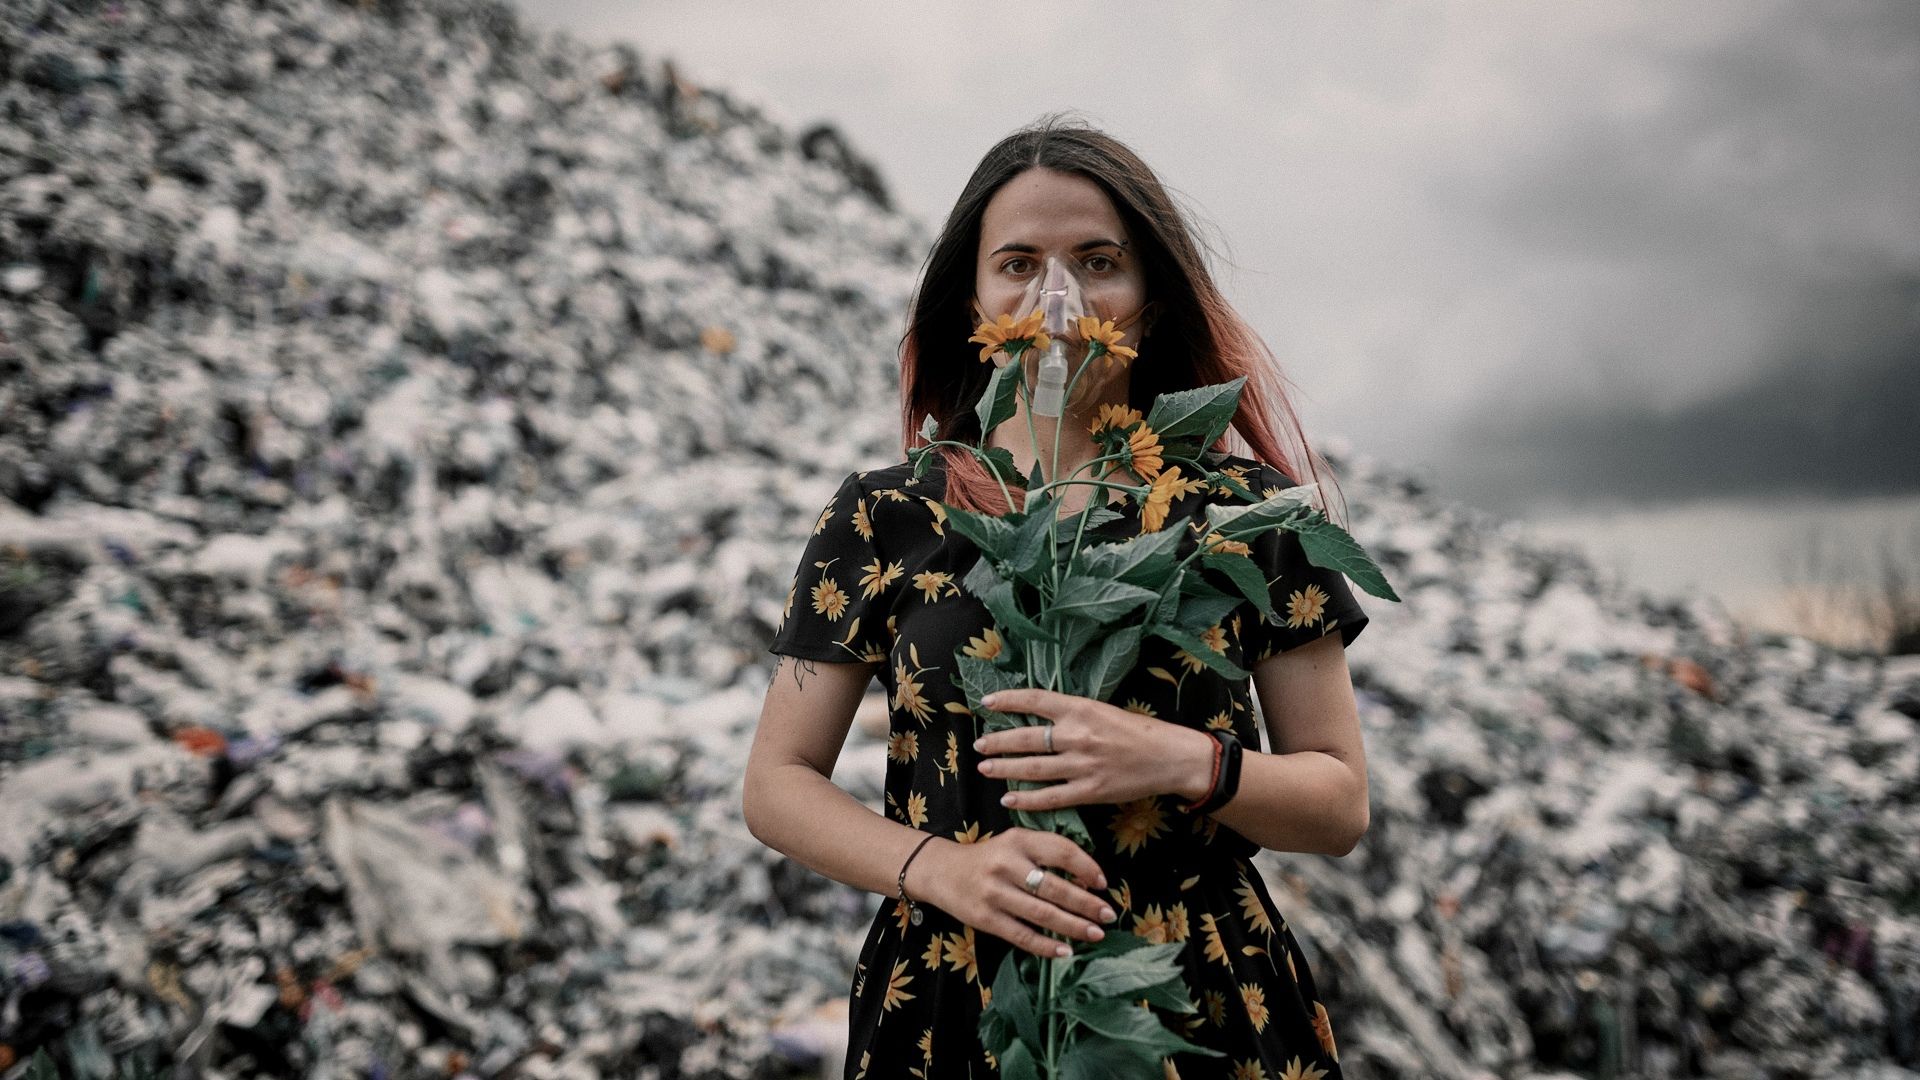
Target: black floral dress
<point>879,583</point>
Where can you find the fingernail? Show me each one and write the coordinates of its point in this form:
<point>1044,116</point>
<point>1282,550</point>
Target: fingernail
<point>1007,799</point>
<point>1100,882</point>
<point>1095,932</point>
<point>1107,915</point>
<point>978,743</point>
<point>1063,950</point>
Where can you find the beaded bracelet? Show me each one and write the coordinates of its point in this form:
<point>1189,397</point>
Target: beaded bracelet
<point>913,906</point>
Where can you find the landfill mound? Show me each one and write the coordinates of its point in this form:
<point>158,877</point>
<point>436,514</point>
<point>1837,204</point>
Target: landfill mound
<point>408,425</point>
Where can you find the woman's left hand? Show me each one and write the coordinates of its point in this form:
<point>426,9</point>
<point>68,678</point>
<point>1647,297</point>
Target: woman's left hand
<point>1101,753</point>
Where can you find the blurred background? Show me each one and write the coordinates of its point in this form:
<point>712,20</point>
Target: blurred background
<point>412,413</point>
<point>1644,276</point>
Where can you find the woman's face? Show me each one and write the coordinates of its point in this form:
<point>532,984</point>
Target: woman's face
<point>1044,212</point>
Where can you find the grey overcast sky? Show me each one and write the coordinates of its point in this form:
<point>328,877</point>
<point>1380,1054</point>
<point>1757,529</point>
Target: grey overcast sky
<point>1540,252</point>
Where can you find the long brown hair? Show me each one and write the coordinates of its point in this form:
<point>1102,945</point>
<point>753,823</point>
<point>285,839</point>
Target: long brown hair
<point>1198,340</point>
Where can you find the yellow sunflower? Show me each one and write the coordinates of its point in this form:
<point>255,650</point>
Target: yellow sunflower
<point>1220,545</point>
<point>1323,1027</point>
<point>1297,1070</point>
<point>1159,498</point>
<point>1152,925</point>
<point>1114,416</point>
<point>932,582</point>
<point>1136,822</point>
<point>906,692</point>
<point>1216,1004</point>
<point>1306,608</point>
<point>987,646</point>
<point>1014,335</point>
<point>1143,450</point>
<point>896,992</point>
<point>1255,999</point>
<point>875,580</point>
<point>830,599</point>
<point>961,955</point>
<point>1177,922</point>
<point>1094,331</point>
<point>904,746</point>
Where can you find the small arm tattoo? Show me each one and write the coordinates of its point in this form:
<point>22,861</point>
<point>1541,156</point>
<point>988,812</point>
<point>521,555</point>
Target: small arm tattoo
<point>801,668</point>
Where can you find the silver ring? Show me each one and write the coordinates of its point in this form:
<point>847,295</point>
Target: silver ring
<point>1049,738</point>
<point>1034,877</point>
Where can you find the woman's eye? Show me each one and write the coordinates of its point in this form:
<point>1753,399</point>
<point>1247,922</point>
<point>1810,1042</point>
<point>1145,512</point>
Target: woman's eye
<point>1101,258</point>
<point>1011,265</point>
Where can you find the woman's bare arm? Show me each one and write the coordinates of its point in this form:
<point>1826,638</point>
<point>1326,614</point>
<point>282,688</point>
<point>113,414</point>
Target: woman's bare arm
<point>790,801</point>
<point>1310,792</point>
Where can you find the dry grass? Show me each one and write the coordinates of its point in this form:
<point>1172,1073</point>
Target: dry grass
<point>1827,595</point>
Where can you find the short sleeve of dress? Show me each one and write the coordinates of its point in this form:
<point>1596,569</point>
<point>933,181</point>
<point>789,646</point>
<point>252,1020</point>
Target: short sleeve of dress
<point>836,605</point>
<point>1309,601</point>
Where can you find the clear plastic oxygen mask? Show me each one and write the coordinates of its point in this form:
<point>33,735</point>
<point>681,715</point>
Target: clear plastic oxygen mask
<point>1061,305</point>
<point>1059,294</point>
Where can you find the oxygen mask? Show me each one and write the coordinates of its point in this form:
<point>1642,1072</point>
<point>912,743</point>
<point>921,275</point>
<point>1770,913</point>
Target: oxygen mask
<point>1059,295</point>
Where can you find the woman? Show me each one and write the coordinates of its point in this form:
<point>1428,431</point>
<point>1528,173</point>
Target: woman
<point>878,590</point>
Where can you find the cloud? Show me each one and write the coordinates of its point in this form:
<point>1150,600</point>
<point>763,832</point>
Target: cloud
<point>1500,217</point>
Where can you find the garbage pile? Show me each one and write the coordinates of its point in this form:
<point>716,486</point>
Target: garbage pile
<point>408,424</point>
<point>1612,834</point>
<point>406,430</point>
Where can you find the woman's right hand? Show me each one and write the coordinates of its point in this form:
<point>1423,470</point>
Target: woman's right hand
<point>983,884</point>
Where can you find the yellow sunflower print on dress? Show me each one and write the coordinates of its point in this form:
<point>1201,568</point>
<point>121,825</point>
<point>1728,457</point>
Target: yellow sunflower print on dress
<point>829,598</point>
<point>1304,608</point>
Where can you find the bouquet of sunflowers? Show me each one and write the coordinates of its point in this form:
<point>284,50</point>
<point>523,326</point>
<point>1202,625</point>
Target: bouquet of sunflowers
<point>1073,610</point>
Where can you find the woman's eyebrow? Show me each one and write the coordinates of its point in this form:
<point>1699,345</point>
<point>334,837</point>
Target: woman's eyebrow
<point>1084,245</point>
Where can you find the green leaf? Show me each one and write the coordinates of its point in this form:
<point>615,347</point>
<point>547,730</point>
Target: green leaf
<point>1018,1063</point>
<point>1097,600</point>
<point>1097,516</point>
<point>1143,560</point>
<point>1245,576</point>
<point>929,428</point>
<point>1041,663</point>
<point>1198,416</point>
<point>1064,820</point>
<point>978,678</point>
<point>1075,635</point>
<point>1013,997</point>
<point>1245,521</point>
<point>1118,976</point>
<point>999,461</point>
<point>42,1067</point>
<point>996,401</point>
<point>1328,545</point>
<point>993,535</point>
<point>1094,1057</point>
<point>1199,650</point>
<point>1201,605</point>
<point>1113,943</point>
<point>1171,996</point>
<point>1030,553</point>
<point>1101,673</point>
<point>1002,601</point>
